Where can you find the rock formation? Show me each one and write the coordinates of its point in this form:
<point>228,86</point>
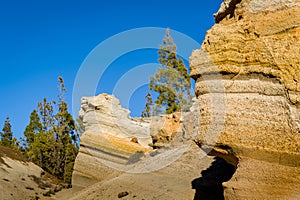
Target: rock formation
<point>113,141</point>
<point>247,75</point>
<point>110,136</point>
<point>105,115</point>
<point>254,49</point>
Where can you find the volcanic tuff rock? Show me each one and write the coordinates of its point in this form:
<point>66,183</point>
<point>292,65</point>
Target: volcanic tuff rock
<point>113,141</point>
<point>110,136</point>
<point>164,128</point>
<point>104,114</point>
<point>254,50</point>
<point>247,75</point>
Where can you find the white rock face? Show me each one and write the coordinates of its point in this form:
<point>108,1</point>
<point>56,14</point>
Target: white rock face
<point>103,114</point>
<point>110,140</point>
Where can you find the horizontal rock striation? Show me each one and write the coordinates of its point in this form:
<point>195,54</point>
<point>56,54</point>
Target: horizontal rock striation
<point>114,143</point>
<point>258,119</point>
<point>110,140</point>
<point>260,37</point>
<point>249,68</point>
<point>104,114</point>
<point>247,75</point>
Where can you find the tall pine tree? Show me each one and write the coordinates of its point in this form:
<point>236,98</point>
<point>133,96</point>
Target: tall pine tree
<point>171,82</point>
<point>39,135</point>
<point>66,147</point>
<point>51,137</point>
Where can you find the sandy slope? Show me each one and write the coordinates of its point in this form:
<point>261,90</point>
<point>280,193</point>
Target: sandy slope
<point>171,182</point>
<point>20,179</point>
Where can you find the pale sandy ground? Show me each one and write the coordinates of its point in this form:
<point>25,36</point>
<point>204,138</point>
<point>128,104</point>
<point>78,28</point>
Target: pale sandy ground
<point>16,183</point>
<point>22,180</point>
<point>172,182</point>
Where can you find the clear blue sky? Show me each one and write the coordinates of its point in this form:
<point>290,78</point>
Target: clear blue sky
<point>41,40</point>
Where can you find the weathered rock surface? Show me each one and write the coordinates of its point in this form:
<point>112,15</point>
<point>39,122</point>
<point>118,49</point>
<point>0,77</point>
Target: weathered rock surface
<point>164,128</point>
<point>113,141</point>
<point>257,179</point>
<point>104,114</point>
<point>256,37</point>
<point>247,76</point>
<point>255,50</point>
<point>110,137</point>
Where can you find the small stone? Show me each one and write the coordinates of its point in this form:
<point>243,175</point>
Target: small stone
<point>122,194</point>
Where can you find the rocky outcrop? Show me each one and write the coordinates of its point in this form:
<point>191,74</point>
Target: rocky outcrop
<point>114,143</point>
<point>110,140</point>
<point>255,53</point>
<point>247,75</point>
<point>104,114</point>
<point>258,179</point>
<point>259,37</point>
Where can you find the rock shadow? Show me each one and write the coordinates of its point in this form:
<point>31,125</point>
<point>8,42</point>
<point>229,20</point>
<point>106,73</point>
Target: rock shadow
<point>209,185</point>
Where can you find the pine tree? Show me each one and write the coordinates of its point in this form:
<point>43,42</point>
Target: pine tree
<point>66,147</point>
<point>34,127</point>
<point>36,144</point>
<point>46,111</point>
<point>51,137</point>
<point>43,145</point>
<point>171,81</point>
<point>40,151</point>
<point>7,135</point>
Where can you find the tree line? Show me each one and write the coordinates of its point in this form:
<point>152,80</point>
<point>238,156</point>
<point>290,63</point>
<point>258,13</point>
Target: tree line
<point>50,139</point>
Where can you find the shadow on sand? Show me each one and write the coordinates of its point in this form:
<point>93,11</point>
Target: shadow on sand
<point>209,185</point>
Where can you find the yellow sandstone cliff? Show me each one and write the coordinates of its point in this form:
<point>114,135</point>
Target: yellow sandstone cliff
<point>247,75</point>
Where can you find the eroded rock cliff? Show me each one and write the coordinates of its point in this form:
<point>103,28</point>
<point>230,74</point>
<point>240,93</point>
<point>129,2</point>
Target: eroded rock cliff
<point>255,50</point>
<point>110,137</point>
<point>247,75</point>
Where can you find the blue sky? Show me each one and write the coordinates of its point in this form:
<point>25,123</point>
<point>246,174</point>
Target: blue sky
<point>41,40</point>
